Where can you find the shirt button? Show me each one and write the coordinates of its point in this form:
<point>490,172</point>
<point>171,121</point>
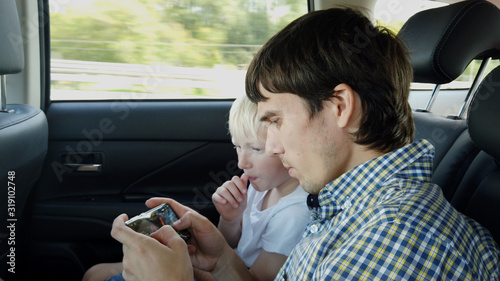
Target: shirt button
<point>347,205</point>
<point>314,228</point>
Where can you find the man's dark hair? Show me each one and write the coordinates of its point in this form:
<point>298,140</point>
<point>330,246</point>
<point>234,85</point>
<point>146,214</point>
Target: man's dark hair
<point>322,49</point>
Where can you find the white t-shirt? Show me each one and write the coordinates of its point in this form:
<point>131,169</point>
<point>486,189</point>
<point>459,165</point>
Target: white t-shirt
<point>277,229</point>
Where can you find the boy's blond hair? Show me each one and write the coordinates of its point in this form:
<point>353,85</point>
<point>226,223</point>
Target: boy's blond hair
<point>243,123</point>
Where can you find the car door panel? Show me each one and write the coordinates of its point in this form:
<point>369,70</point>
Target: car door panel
<point>107,158</point>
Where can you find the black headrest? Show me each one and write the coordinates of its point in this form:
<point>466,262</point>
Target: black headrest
<point>443,41</point>
<point>484,114</point>
<point>11,39</point>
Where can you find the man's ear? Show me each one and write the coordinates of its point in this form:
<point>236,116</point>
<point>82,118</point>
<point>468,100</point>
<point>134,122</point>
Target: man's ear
<point>344,104</point>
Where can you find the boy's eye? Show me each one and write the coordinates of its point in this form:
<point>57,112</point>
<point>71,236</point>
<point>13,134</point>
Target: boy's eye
<point>257,149</point>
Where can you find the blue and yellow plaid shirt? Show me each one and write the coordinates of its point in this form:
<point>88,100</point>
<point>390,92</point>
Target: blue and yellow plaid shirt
<point>384,220</point>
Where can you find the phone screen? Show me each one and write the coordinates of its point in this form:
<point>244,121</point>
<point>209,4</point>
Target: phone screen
<point>152,220</point>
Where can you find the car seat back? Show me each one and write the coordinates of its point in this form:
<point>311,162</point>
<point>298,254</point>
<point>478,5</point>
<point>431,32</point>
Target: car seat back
<point>478,195</point>
<point>23,142</point>
<point>442,42</point>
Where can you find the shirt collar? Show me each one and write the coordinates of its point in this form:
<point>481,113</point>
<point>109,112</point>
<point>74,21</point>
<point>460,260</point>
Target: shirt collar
<point>411,161</point>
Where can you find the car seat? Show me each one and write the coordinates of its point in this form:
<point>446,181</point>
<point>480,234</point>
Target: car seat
<point>478,195</point>
<point>442,42</point>
<point>23,143</point>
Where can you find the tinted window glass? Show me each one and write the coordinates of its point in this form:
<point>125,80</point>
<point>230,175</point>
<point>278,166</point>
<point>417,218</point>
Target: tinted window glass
<point>159,49</point>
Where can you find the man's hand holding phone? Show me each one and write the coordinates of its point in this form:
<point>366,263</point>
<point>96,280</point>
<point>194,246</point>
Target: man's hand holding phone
<point>152,220</point>
<point>161,256</point>
<point>206,244</point>
<point>164,255</point>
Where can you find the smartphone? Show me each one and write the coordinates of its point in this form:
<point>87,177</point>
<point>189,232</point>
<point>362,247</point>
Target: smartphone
<point>152,220</point>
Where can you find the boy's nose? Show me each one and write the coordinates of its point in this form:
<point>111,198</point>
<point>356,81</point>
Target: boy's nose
<point>243,161</point>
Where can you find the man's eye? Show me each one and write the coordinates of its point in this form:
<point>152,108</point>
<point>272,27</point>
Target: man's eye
<point>275,122</point>
<point>257,149</point>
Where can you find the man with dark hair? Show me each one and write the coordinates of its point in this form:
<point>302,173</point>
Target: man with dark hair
<point>333,91</point>
<point>344,48</point>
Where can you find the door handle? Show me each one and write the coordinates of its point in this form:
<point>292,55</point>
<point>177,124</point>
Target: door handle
<point>83,163</point>
<point>85,167</point>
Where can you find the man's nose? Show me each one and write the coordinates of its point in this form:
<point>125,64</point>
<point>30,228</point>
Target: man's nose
<point>274,146</point>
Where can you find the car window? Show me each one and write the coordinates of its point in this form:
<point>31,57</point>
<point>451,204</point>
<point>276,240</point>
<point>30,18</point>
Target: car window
<point>158,49</point>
